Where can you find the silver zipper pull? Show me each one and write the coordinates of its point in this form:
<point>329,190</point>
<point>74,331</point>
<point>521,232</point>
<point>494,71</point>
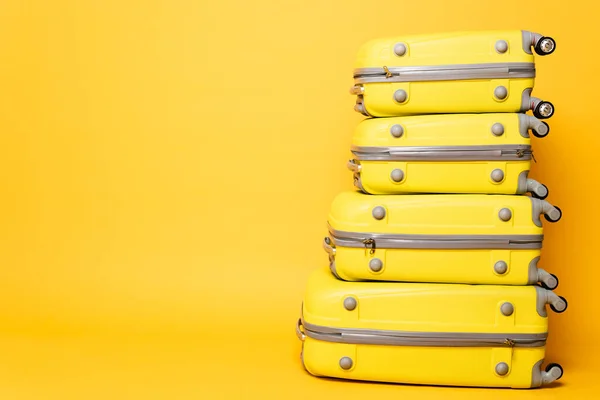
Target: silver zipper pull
<point>520,153</point>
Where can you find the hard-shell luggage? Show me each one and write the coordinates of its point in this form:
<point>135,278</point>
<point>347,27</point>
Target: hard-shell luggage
<point>466,335</point>
<point>450,73</point>
<point>461,238</point>
<point>451,153</point>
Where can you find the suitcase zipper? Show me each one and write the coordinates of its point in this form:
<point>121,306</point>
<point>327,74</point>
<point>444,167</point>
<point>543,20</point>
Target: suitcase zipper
<point>444,72</point>
<point>408,338</point>
<point>443,153</point>
<point>372,241</point>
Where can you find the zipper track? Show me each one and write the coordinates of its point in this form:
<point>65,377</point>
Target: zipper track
<point>444,72</point>
<point>443,153</point>
<point>373,241</point>
<point>432,339</point>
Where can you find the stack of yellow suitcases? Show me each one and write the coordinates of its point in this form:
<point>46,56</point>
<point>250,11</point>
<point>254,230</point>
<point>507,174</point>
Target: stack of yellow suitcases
<point>433,271</point>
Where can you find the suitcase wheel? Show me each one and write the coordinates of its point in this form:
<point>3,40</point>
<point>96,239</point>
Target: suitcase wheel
<point>559,311</point>
<point>543,284</point>
<point>545,46</point>
<point>554,220</point>
<point>543,110</point>
<point>537,196</point>
<point>555,365</point>
<point>538,135</point>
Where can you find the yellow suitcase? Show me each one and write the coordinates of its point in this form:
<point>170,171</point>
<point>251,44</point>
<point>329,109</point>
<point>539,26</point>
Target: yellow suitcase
<point>461,238</point>
<point>451,153</point>
<point>465,335</point>
<point>489,71</point>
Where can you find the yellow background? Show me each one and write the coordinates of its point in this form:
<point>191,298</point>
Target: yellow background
<point>166,172</point>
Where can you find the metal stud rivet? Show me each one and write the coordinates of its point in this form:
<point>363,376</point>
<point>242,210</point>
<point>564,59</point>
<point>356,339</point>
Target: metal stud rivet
<point>375,265</point>
<point>400,49</point>
<point>505,214</point>
<point>400,95</point>
<point>497,175</point>
<point>397,175</point>
<point>500,267</point>
<point>498,129</point>
<point>378,212</point>
<point>502,368</point>
<point>349,303</point>
<point>507,309</point>
<point>501,92</point>
<point>501,46</point>
<point>346,363</point>
<point>397,131</point>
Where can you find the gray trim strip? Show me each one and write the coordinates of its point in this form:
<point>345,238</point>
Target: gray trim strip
<point>408,338</point>
<point>443,153</point>
<point>413,241</point>
<point>445,72</point>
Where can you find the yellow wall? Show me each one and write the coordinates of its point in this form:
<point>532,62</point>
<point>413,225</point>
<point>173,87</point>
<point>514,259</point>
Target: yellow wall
<point>166,172</point>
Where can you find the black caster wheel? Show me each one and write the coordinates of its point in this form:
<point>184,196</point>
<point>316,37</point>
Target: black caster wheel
<point>552,365</point>
<point>560,311</point>
<point>544,110</point>
<point>545,46</point>
<point>537,196</point>
<point>543,131</point>
<point>548,287</point>
<point>554,220</point>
